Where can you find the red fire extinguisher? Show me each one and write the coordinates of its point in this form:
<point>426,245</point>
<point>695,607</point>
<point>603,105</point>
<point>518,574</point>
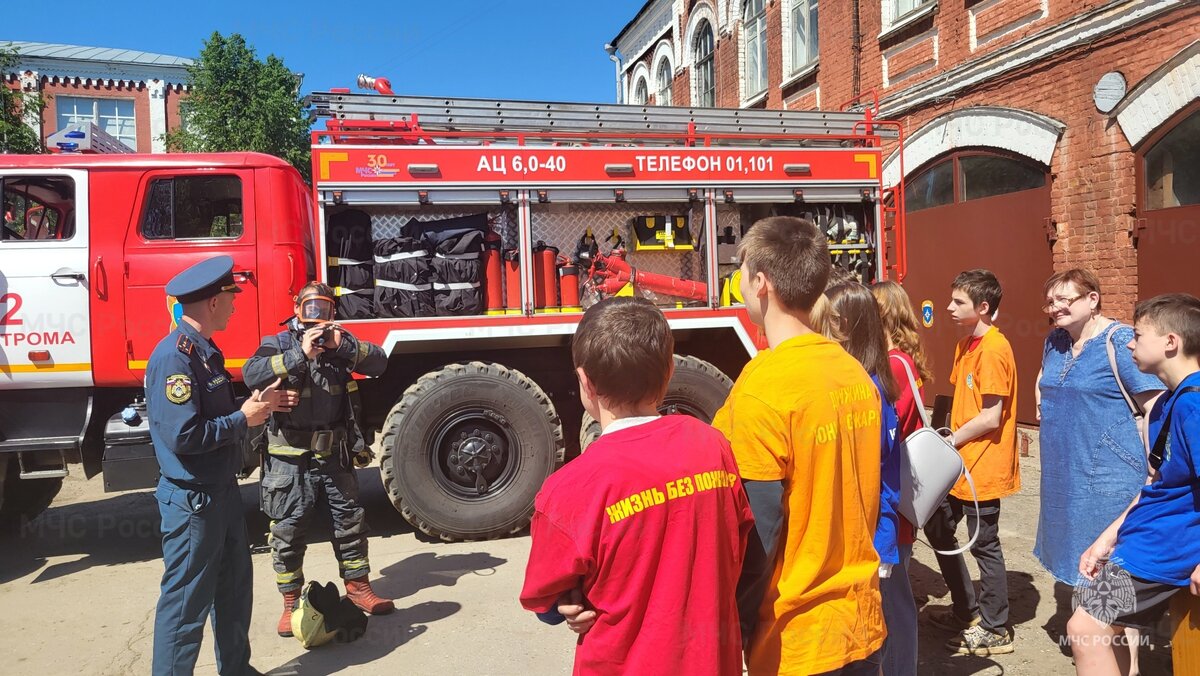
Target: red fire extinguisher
<point>545,278</point>
<point>568,273</point>
<point>512,282</point>
<point>493,281</point>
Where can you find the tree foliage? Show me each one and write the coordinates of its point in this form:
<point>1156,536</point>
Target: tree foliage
<point>238,102</point>
<point>15,135</point>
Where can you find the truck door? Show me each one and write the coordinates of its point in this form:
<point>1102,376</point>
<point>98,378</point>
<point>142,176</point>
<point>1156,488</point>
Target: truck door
<point>45,340</point>
<point>181,218</point>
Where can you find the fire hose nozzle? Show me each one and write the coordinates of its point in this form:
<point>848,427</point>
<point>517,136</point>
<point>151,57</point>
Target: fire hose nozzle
<point>379,84</point>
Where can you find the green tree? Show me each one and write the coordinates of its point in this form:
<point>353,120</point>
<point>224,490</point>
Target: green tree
<point>15,135</point>
<point>239,102</point>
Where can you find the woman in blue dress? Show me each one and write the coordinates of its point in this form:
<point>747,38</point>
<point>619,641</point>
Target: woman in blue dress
<point>1092,447</point>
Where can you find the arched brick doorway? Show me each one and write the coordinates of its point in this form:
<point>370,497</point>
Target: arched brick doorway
<point>1168,202</point>
<point>979,208</point>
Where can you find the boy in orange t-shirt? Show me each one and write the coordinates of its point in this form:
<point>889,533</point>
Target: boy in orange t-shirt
<point>984,425</point>
<point>803,420</point>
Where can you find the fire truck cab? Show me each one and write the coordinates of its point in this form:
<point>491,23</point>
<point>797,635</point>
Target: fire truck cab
<point>463,236</point>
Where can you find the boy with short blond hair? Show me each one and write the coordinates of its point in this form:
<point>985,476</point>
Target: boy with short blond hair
<point>804,422</point>
<point>1151,552</point>
<point>984,429</point>
<point>639,541</point>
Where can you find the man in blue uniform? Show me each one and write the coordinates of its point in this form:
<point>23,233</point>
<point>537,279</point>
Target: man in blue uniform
<point>313,449</point>
<point>198,429</point>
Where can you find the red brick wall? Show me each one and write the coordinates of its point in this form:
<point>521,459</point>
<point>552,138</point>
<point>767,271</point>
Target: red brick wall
<point>174,95</point>
<point>1093,190</point>
<point>139,95</point>
<point>1093,179</point>
<point>137,92</point>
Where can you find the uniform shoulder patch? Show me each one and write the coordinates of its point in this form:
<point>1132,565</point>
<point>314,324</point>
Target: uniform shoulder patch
<point>179,388</point>
<point>185,344</point>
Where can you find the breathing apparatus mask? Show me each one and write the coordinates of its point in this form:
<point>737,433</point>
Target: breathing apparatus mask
<point>313,308</point>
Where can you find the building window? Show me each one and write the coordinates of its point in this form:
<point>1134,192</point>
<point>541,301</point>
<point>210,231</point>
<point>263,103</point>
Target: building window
<point>901,8</point>
<point>754,22</point>
<point>663,95</point>
<point>193,207</point>
<point>706,75</point>
<point>970,176</point>
<point>640,92</point>
<point>989,175</point>
<point>804,33</point>
<point>933,187</point>
<point>1172,172</point>
<point>114,116</point>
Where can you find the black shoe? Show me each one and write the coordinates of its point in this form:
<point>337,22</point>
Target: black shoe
<point>945,617</point>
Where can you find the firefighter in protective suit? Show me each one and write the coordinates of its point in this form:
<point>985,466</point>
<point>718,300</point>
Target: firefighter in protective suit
<point>313,449</point>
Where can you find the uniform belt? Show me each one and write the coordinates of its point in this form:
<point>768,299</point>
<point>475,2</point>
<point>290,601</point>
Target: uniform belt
<point>322,443</point>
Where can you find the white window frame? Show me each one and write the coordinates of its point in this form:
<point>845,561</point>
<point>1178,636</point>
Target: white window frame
<point>893,20</point>
<point>78,114</point>
<point>641,92</point>
<point>663,95</point>
<point>699,63</point>
<point>800,59</point>
<point>702,11</point>
<point>754,48</point>
<point>638,76</point>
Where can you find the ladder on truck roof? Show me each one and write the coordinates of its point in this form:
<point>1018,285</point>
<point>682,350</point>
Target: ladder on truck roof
<point>608,122</point>
<point>85,137</point>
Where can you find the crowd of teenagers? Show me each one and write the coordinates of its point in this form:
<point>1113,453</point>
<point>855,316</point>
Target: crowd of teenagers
<point>771,541</point>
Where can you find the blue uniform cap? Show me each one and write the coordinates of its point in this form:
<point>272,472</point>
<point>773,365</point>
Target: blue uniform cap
<point>203,280</point>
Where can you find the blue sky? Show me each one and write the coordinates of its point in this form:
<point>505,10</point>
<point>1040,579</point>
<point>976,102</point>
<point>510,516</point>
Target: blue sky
<point>535,49</point>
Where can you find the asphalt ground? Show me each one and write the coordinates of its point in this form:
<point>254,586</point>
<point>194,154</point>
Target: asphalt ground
<point>79,584</point>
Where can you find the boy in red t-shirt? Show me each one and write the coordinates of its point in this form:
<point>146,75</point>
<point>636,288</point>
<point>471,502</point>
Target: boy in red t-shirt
<point>644,534</point>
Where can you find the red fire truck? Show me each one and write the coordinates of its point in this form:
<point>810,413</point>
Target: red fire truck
<point>463,236</point>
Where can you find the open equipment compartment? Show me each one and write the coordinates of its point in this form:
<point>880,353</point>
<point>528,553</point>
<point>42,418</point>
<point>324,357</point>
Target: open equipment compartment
<point>419,260</point>
<point>849,229</point>
<point>596,240</point>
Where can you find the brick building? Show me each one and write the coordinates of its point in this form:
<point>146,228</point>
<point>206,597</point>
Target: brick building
<point>132,95</point>
<point>1040,134</point>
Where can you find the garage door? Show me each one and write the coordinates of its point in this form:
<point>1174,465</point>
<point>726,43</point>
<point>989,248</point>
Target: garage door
<point>975,209</point>
<point>1168,242</point>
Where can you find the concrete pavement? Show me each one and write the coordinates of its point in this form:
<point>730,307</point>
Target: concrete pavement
<point>78,588</point>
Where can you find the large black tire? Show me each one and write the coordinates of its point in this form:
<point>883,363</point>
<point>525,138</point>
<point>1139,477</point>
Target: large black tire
<point>698,389</point>
<point>589,431</point>
<point>22,500</point>
<point>466,449</point>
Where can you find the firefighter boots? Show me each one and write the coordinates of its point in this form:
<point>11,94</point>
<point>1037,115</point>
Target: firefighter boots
<point>360,593</point>
<point>290,599</point>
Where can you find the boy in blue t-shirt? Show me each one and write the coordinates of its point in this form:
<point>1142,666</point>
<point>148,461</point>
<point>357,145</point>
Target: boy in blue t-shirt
<point>1152,551</point>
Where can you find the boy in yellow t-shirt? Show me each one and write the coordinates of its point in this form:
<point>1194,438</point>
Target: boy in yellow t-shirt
<point>804,423</point>
<point>984,424</point>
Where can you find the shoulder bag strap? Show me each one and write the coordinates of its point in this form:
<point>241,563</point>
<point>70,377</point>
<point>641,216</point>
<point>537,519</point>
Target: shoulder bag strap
<point>1134,409</point>
<point>916,391</point>
<point>975,535</point>
<point>912,382</point>
<point>1160,444</point>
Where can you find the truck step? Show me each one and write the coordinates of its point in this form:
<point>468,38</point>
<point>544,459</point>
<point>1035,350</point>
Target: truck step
<point>43,469</point>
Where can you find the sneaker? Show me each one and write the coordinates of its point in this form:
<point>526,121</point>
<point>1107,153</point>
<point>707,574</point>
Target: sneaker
<point>945,617</point>
<point>982,642</point>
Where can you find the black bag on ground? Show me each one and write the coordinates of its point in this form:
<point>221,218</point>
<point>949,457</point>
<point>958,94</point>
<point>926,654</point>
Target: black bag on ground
<point>349,245</point>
